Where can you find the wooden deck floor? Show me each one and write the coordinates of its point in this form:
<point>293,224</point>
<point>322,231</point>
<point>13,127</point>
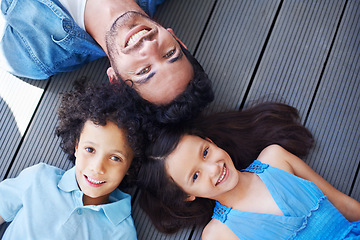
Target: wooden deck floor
<point>302,52</point>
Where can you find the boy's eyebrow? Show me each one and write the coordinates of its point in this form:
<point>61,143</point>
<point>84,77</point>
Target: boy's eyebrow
<point>151,75</point>
<point>125,154</point>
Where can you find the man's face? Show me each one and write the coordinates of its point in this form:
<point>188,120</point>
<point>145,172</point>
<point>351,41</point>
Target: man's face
<point>149,56</point>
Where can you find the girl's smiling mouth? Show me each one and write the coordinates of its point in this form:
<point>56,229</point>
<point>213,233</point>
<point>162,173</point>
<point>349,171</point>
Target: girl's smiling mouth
<point>222,176</point>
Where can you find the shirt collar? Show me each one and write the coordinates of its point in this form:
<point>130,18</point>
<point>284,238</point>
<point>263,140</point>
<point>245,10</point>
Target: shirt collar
<point>119,208</point>
<point>68,181</point>
<point>116,211</point>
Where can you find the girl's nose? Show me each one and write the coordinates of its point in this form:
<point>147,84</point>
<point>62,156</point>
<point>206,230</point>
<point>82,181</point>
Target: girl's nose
<point>212,168</point>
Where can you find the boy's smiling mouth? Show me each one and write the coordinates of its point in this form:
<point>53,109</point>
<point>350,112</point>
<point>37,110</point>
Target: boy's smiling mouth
<point>93,181</point>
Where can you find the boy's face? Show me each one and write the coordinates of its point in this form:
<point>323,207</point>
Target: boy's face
<point>103,156</point>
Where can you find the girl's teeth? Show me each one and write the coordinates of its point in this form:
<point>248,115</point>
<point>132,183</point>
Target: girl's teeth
<point>136,36</point>
<point>222,175</point>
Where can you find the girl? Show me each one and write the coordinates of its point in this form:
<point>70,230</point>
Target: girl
<point>207,170</point>
<point>84,202</point>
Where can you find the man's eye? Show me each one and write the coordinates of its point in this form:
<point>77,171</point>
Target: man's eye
<point>170,53</point>
<point>196,175</point>
<point>206,151</point>
<point>89,149</point>
<point>144,71</point>
<point>115,158</point>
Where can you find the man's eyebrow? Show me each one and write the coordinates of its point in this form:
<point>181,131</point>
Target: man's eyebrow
<point>145,80</point>
<point>178,57</point>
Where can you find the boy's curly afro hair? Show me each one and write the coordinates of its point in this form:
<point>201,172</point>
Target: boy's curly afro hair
<point>99,104</point>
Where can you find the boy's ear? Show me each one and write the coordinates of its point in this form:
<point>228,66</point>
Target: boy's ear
<point>190,198</point>
<point>76,149</point>
<point>111,74</point>
<point>172,33</point>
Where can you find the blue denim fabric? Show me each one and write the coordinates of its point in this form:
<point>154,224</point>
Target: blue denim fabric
<point>41,39</point>
<point>149,6</point>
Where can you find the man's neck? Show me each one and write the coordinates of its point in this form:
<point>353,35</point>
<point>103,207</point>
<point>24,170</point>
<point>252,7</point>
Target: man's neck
<point>100,15</point>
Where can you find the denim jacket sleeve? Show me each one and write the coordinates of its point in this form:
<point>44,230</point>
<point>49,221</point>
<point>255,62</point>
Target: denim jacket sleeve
<point>41,39</point>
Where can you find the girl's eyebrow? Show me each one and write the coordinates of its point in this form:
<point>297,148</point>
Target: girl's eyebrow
<point>191,172</point>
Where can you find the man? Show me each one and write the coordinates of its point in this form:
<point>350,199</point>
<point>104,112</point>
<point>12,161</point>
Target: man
<point>42,38</point>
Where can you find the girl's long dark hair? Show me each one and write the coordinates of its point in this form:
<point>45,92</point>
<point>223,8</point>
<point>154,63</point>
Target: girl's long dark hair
<point>242,134</point>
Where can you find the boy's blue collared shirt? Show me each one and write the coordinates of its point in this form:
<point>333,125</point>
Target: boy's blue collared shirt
<point>40,38</point>
<point>46,203</point>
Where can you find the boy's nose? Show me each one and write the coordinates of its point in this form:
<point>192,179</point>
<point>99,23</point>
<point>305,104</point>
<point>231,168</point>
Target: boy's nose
<point>98,166</point>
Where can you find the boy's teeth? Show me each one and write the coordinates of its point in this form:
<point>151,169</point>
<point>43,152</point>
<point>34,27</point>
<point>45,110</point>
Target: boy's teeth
<point>95,181</point>
<point>136,36</point>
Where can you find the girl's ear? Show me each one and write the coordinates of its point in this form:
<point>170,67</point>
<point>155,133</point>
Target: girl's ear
<point>209,140</point>
<point>190,198</point>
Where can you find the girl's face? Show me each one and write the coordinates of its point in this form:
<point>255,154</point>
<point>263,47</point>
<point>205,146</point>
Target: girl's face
<point>103,156</point>
<point>201,168</point>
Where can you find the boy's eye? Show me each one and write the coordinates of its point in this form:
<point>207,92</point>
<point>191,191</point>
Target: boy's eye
<point>144,71</point>
<point>205,152</point>
<point>170,53</point>
<point>115,158</point>
<point>195,176</point>
<point>89,149</point>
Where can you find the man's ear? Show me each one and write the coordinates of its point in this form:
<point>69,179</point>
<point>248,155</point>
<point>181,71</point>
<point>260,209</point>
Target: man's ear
<point>172,33</point>
<point>111,74</point>
<point>190,198</point>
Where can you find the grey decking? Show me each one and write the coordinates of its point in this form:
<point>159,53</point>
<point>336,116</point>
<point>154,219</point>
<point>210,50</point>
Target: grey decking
<point>305,53</point>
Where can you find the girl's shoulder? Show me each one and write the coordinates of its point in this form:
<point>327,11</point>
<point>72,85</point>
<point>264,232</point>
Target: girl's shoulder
<point>215,229</point>
<point>276,156</point>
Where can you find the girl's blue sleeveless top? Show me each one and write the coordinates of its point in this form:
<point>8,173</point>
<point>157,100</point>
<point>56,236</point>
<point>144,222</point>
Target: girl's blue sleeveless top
<point>308,214</point>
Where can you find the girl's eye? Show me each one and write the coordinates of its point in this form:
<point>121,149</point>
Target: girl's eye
<point>89,149</point>
<point>196,175</point>
<point>206,151</point>
<point>116,159</point>
<point>144,71</point>
<point>170,53</point>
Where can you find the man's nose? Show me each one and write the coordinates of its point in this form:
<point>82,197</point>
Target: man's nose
<point>150,48</point>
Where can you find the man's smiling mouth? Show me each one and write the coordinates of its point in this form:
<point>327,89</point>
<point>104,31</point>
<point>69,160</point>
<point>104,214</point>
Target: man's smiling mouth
<point>136,36</point>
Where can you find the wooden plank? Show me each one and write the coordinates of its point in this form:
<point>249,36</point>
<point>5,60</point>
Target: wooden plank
<point>296,52</point>
<point>335,116</point>
<point>187,18</point>
<point>18,101</point>
<point>146,230</point>
<point>231,46</point>
<point>40,143</point>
